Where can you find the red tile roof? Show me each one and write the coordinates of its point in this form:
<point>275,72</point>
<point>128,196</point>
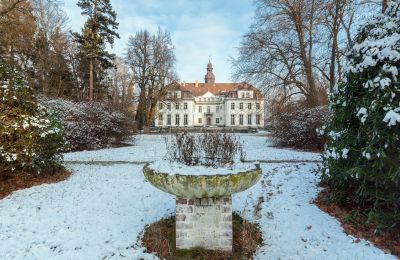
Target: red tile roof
<point>199,89</point>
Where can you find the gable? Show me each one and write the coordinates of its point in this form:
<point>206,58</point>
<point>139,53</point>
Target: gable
<point>208,94</point>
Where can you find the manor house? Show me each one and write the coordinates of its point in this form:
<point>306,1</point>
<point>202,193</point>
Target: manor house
<point>207,104</point>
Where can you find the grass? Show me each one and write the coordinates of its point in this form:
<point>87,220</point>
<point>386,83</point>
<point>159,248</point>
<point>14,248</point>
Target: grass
<point>159,238</point>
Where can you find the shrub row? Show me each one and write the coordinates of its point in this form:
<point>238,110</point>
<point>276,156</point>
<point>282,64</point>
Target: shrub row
<point>298,127</point>
<point>89,125</point>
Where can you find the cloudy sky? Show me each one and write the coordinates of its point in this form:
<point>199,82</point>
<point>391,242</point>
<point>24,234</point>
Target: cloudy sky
<point>199,29</point>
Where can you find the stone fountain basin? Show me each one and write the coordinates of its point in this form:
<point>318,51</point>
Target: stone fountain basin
<point>203,186</point>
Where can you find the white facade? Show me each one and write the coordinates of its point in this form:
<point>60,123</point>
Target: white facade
<point>212,104</point>
<point>242,111</point>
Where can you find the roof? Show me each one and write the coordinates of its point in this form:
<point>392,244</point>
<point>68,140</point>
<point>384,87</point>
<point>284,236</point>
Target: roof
<point>216,88</point>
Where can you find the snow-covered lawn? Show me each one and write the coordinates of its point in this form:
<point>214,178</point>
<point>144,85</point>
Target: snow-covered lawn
<point>101,210</point>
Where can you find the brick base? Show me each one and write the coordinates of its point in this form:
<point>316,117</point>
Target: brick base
<point>205,223</point>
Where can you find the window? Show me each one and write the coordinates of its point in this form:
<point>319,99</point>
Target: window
<point>185,119</point>
<point>175,95</point>
<point>185,105</point>
<point>258,117</point>
<point>217,120</point>
<point>242,94</point>
<point>217,109</point>
<point>232,119</point>
<point>169,95</point>
<point>177,119</point>
<point>257,105</point>
<point>247,94</point>
<point>200,109</point>
<point>168,119</point>
<point>177,106</point>
<point>232,106</point>
<point>160,119</point>
<point>208,109</point>
<point>169,106</point>
<point>240,119</point>
<point>160,106</point>
<point>200,120</point>
<point>240,106</point>
<point>249,105</point>
<point>249,120</point>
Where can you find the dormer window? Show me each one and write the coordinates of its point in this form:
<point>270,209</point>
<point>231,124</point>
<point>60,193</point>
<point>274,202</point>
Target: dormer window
<point>242,94</point>
<point>247,94</point>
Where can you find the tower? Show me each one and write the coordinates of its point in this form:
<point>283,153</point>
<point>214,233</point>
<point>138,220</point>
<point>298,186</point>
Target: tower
<point>209,78</point>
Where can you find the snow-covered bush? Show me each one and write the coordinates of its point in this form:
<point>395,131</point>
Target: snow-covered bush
<point>298,127</point>
<point>208,148</point>
<point>362,158</point>
<point>31,139</point>
<point>89,125</point>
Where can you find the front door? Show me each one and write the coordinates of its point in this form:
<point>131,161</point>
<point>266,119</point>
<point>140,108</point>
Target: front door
<point>208,120</point>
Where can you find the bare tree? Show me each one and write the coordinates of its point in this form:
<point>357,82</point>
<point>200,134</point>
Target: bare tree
<point>51,37</point>
<point>278,52</point>
<point>152,60</point>
<point>7,6</point>
<point>17,30</point>
<point>120,78</point>
<point>296,47</point>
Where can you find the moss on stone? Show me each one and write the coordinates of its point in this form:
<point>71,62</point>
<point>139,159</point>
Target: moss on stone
<point>202,186</point>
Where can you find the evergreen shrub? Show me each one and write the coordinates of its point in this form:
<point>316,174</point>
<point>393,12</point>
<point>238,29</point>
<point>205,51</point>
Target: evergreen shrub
<point>362,157</point>
<point>31,140</point>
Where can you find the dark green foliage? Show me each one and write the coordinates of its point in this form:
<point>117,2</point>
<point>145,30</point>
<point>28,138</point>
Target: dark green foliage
<point>362,158</point>
<point>30,139</point>
<point>100,28</point>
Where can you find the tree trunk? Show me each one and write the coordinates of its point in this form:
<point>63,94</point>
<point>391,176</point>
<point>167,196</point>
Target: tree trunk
<point>384,5</point>
<point>91,80</point>
<point>334,50</point>
<point>141,109</point>
<point>306,55</point>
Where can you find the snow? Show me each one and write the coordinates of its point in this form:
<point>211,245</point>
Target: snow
<point>345,152</point>
<point>150,148</point>
<point>175,168</point>
<point>392,118</point>
<point>101,210</point>
<point>363,113</point>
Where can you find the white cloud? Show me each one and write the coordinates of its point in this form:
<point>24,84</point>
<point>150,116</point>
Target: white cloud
<point>198,28</point>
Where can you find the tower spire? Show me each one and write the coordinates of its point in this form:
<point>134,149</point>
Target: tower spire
<point>209,78</point>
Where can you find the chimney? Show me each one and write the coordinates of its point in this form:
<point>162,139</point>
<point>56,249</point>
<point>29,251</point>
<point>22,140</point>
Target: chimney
<point>197,83</point>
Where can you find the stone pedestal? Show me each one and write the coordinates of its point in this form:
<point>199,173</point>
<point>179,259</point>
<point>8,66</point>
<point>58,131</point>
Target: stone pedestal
<point>205,223</point>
